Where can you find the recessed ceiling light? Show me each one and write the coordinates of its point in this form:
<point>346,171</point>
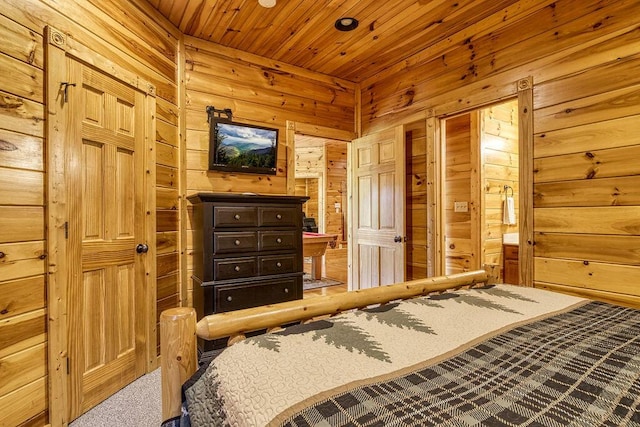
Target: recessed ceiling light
<point>267,3</point>
<point>346,24</point>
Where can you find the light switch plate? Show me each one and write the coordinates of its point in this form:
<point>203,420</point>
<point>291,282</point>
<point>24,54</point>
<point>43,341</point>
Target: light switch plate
<point>460,206</point>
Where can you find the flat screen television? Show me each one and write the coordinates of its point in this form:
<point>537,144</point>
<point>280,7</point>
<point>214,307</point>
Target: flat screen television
<point>239,147</point>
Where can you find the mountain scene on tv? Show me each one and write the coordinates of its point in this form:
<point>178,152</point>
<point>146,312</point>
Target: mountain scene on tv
<point>243,146</point>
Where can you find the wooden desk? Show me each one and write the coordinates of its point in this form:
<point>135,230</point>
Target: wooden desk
<point>315,245</point>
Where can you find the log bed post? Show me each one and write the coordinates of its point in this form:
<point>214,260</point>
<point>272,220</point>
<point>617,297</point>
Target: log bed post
<point>178,327</point>
<point>178,347</point>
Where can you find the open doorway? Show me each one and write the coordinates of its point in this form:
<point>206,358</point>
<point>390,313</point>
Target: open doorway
<point>481,191</point>
<point>321,175</point>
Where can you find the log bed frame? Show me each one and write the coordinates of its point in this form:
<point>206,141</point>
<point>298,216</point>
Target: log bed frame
<point>179,330</point>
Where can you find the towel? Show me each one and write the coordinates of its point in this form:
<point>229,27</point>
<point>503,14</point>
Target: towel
<point>509,211</point>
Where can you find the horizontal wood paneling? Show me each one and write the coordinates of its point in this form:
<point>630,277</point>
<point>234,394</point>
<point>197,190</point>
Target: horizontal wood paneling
<point>623,279</point>
<point>585,176</point>
<point>19,114</point>
<point>20,328</point>
<point>167,198</point>
<point>166,177</point>
<point>31,185</point>
<point>559,48</point>
<point>22,296</point>
<point>167,264</point>
<point>584,64</point>
<point>617,191</point>
<point>259,92</point>
<point>604,248</point>
<point>26,402</point>
<point>21,151</point>
<point>166,111</point>
<point>21,223</point>
<point>582,111</point>
<point>166,242</point>
<point>129,34</point>
<point>588,165</point>
<point>622,220</point>
<point>600,135</point>
<point>22,368</point>
<point>168,285</point>
<point>94,27</point>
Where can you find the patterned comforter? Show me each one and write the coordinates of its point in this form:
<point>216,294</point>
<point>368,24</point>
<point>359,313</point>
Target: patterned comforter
<point>498,355</point>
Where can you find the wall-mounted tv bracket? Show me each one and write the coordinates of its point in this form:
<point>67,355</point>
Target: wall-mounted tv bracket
<point>212,112</point>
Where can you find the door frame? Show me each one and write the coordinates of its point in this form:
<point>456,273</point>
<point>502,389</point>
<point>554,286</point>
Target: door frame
<point>57,47</point>
<point>523,91</point>
<point>294,128</point>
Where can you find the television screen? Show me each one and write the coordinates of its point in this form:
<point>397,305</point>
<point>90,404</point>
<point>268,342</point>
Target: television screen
<point>240,147</point>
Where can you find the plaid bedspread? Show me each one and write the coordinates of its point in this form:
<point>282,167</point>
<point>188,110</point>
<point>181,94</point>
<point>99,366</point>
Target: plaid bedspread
<point>580,368</point>
<point>495,356</point>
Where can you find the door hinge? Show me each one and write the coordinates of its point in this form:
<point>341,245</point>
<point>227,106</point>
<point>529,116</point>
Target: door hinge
<point>66,230</point>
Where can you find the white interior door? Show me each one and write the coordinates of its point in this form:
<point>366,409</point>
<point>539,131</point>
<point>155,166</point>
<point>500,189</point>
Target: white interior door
<point>377,243</point>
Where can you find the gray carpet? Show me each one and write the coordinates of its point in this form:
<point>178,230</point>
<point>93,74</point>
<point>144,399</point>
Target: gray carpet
<point>139,404</point>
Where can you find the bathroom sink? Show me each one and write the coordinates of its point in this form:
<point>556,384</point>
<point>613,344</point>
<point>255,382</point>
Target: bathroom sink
<point>510,239</point>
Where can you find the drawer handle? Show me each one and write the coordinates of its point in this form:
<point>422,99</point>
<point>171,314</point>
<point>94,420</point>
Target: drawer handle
<point>278,264</point>
<point>237,268</point>
<point>286,290</point>
<point>236,216</point>
<point>278,216</point>
<point>229,298</point>
<point>278,240</point>
<point>237,242</point>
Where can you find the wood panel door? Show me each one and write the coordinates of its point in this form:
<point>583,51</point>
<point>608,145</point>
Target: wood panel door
<point>105,196</point>
<point>377,246</point>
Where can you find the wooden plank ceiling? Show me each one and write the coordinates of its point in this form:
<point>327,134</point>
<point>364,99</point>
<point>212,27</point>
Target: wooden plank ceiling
<point>302,33</point>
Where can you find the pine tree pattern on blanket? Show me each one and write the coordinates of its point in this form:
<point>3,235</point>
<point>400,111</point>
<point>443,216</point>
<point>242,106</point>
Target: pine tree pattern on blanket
<point>498,355</point>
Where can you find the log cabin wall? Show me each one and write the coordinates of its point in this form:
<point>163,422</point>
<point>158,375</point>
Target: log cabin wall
<point>416,256</point>
<point>134,36</point>
<point>308,187</point>
<point>584,65</point>
<point>459,225</point>
<point>259,91</point>
<point>499,153</point>
<point>310,166</point>
<point>335,221</point>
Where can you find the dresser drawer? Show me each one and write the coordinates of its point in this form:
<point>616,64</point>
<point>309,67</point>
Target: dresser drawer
<point>278,264</point>
<point>278,216</point>
<point>224,216</point>
<point>236,297</point>
<point>274,240</point>
<point>234,268</point>
<point>229,242</point>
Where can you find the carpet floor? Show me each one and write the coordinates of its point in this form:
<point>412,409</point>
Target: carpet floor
<point>139,404</point>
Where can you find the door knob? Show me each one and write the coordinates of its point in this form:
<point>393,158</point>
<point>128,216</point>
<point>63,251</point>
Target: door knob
<point>142,248</point>
<point>397,239</point>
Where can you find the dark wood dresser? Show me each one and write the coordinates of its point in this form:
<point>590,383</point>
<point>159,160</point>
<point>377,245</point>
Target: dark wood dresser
<point>247,251</point>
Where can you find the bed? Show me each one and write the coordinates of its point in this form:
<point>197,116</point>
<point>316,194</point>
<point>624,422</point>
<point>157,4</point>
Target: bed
<point>440,351</point>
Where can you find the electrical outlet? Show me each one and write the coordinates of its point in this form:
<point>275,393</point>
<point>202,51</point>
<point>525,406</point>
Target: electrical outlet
<point>460,206</point>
